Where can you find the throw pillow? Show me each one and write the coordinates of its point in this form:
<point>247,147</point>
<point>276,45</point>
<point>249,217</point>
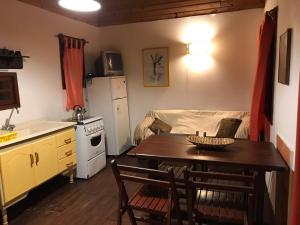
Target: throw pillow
<point>228,127</point>
<point>159,126</point>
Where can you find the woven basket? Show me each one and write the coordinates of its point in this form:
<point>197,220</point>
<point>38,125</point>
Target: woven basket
<point>210,142</point>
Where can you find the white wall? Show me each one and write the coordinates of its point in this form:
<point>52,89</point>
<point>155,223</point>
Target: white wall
<point>286,97</point>
<point>31,30</point>
<point>226,85</point>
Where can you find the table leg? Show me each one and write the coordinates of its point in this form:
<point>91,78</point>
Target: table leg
<point>4,217</point>
<point>260,196</point>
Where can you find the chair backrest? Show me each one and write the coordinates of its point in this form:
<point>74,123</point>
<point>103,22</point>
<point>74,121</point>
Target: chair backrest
<point>246,184</point>
<point>223,193</point>
<point>151,177</point>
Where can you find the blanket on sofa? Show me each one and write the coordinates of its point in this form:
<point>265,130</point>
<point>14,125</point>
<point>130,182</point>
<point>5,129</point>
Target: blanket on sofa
<point>190,121</point>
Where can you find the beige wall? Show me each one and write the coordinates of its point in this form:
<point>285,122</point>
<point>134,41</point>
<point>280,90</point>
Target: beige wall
<point>31,30</point>
<point>226,85</point>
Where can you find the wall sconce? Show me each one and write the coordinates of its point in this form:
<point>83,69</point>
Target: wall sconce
<point>198,56</point>
<point>199,48</point>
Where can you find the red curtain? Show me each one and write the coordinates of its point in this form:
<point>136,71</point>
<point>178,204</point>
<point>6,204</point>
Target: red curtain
<point>295,214</point>
<point>73,58</point>
<point>258,123</point>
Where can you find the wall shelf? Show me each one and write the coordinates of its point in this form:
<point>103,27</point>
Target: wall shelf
<point>12,56</point>
<point>11,59</point>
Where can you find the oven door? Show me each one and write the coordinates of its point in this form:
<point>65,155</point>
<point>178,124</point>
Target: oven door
<point>96,144</point>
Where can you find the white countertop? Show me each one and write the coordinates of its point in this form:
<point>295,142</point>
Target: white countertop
<point>36,128</point>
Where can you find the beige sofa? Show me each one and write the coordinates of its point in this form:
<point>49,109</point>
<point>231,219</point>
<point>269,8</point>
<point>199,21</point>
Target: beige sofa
<point>190,121</point>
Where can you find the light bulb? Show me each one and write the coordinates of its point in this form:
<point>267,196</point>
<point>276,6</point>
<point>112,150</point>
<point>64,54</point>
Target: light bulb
<point>80,5</point>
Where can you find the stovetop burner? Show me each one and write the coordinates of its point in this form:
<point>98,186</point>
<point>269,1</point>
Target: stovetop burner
<point>88,119</point>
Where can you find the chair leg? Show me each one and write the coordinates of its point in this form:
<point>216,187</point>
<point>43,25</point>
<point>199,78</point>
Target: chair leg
<point>131,216</point>
<point>119,220</point>
<point>190,194</point>
<point>168,218</point>
<point>120,217</point>
<point>120,208</point>
<point>245,219</point>
<point>178,214</point>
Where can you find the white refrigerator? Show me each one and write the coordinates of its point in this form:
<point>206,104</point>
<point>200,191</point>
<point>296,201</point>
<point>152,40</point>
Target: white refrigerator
<point>107,97</point>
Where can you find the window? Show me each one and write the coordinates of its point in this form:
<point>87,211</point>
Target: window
<point>9,91</point>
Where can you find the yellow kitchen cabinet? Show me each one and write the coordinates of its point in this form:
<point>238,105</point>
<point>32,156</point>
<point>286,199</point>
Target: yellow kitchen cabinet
<point>17,169</point>
<point>45,159</point>
<point>29,163</point>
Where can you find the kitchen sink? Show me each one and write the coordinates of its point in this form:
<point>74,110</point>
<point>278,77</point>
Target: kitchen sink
<point>37,127</point>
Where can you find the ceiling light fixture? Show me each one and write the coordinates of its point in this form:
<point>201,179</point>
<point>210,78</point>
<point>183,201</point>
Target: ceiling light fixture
<point>80,5</point>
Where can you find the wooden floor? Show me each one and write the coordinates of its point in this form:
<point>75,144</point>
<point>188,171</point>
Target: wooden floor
<point>91,202</point>
<point>86,202</point>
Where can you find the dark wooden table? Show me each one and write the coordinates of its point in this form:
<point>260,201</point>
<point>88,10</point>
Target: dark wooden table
<point>261,157</point>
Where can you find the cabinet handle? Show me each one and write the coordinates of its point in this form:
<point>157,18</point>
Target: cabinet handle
<point>68,141</point>
<point>31,160</point>
<point>68,153</point>
<point>37,158</point>
<point>68,165</point>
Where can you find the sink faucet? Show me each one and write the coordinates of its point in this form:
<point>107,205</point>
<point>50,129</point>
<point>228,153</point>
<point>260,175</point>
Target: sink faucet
<point>8,126</point>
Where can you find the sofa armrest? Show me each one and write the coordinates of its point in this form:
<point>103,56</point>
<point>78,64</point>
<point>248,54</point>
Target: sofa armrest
<point>142,130</point>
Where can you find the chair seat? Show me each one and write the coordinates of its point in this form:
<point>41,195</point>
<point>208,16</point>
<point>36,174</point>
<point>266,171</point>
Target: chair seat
<point>220,206</point>
<point>145,200</point>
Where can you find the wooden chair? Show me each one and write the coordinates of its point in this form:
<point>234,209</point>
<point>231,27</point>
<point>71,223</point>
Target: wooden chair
<point>157,195</point>
<point>220,198</point>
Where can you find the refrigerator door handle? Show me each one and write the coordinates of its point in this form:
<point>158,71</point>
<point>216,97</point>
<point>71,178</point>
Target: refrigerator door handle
<point>118,98</point>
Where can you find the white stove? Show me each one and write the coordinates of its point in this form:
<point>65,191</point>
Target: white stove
<point>91,156</point>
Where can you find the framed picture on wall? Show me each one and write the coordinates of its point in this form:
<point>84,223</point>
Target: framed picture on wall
<point>285,57</point>
<point>156,67</point>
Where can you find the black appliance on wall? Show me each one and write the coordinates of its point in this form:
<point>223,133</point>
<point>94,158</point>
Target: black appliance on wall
<point>109,63</point>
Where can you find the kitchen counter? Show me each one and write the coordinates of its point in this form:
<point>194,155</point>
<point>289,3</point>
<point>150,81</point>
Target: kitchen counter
<point>34,129</point>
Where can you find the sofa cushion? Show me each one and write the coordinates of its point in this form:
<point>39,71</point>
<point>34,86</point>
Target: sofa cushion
<point>160,126</point>
<point>228,127</point>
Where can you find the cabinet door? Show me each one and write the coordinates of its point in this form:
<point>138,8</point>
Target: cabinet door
<point>45,159</point>
<point>17,170</point>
